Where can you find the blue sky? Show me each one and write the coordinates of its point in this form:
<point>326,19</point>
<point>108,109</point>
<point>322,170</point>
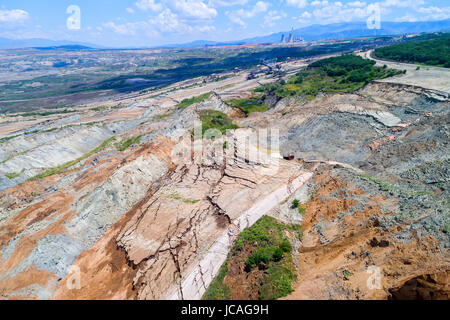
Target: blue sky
<point>154,22</point>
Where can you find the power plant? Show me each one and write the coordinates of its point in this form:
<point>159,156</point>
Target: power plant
<point>292,38</point>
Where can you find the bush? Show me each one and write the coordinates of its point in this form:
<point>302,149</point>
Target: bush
<point>346,73</point>
<point>212,119</point>
<point>188,102</point>
<point>432,52</point>
<point>248,105</point>
<point>285,245</point>
<point>295,203</point>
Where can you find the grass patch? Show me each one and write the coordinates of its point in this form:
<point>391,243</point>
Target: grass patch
<point>176,196</point>
<point>212,119</point>
<point>62,167</point>
<point>347,274</point>
<point>188,102</point>
<point>42,114</point>
<point>273,253</point>
<point>12,175</point>
<point>218,290</point>
<point>270,250</point>
<point>9,138</point>
<point>248,105</point>
<point>278,281</point>
<point>301,210</point>
<point>388,187</point>
<point>163,116</point>
<point>125,144</point>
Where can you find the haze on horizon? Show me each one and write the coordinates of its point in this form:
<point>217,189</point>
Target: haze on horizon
<point>143,23</point>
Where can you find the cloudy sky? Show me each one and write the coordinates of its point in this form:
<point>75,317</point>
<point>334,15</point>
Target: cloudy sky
<point>154,22</point>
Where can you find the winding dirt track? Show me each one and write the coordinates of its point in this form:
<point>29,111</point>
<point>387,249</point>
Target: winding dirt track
<point>434,78</point>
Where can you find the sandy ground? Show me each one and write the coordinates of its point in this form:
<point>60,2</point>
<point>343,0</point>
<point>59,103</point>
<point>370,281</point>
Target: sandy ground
<point>426,77</point>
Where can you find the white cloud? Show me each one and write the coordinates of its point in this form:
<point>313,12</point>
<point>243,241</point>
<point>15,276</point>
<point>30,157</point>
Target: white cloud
<point>317,3</point>
<point>233,16</point>
<point>185,9</point>
<point>434,13</point>
<point>148,5</point>
<point>357,4</point>
<point>297,3</point>
<point>238,16</point>
<point>273,16</point>
<point>226,3</point>
<point>130,10</point>
<point>401,3</point>
<point>16,15</point>
<point>196,9</point>
<point>130,28</point>
<point>306,15</point>
<point>336,12</point>
<point>259,7</point>
<point>178,21</point>
<point>166,21</point>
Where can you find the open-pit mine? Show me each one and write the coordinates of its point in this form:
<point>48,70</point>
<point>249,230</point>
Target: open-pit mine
<point>214,188</point>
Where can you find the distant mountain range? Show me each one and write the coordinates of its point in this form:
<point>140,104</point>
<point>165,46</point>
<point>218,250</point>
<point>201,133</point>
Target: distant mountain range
<point>42,43</point>
<point>334,31</point>
<point>313,32</point>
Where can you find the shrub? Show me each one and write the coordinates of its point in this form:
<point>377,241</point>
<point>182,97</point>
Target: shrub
<point>188,102</point>
<point>285,245</point>
<point>212,119</point>
<point>301,210</point>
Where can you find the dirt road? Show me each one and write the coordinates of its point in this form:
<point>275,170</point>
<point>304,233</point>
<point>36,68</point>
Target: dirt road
<point>428,77</point>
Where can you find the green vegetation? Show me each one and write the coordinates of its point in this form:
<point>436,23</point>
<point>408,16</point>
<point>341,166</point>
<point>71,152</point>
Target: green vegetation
<point>265,250</point>
<point>187,102</point>
<point>212,119</point>
<point>155,70</point>
<point>248,105</point>
<point>99,108</point>
<point>347,274</point>
<point>218,290</point>
<point>177,197</point>
<point>12,175</point>
<point>9,138</point>
<point>301,210</point>
<point>163,116</point>
<point>346,73</point>
<point>41,114</point>
<point>277,283</point>
<point>434,52</point>
<point>67,165</point>
<point>271,251</point>
<point>125,144</point>
<point>388,187</point>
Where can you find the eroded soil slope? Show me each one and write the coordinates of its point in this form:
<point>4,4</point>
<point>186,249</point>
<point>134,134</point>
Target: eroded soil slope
<point>133,220</point>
